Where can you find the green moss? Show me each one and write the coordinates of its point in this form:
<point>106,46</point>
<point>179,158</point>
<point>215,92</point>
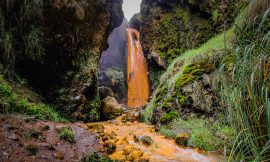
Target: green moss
<point>181,99</point>
<point>161,94</point>
<point>67,134</point>
<point>215,15</point>
<point>170,43</point>
<point>93,108</point>
<point>168,117</point>
<point>166,103</point>
<point>184,80</point>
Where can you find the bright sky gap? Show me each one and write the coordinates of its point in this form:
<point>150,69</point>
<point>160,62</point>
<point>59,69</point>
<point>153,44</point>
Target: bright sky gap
<point>131,7</point>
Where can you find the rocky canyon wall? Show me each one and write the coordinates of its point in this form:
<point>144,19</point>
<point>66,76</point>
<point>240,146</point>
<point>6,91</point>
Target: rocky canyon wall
<point>56,46</point>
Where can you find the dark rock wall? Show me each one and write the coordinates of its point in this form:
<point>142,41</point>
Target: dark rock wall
<point>69,37</point>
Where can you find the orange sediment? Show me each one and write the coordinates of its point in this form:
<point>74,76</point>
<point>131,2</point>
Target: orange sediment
<point>137,77</point>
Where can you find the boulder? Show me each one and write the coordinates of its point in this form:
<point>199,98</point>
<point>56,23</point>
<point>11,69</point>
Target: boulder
<point>105,92</point>
<point>158,60</point>
<point>111,108</point>
<point>182,139</point>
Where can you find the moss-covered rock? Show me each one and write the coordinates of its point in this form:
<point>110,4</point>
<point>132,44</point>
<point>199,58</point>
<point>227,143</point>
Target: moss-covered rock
<point>172,27</point>
<point>186,93</point>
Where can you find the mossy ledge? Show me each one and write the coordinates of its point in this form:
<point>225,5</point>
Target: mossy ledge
<point>173,105</point>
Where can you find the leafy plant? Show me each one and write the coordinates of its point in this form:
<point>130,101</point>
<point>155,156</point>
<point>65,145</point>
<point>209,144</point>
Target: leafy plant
<point>67,134</point>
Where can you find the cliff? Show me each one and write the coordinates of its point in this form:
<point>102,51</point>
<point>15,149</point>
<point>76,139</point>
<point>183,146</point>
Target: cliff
<point>56,46</point>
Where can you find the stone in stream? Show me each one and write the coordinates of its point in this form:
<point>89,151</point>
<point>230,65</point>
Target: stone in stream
<point>147,140</point>
<point>111,108</point>
<point>109,147</point>
<point>182,139</point>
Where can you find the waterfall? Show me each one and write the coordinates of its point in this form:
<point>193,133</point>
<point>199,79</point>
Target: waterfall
<point>137,77</point>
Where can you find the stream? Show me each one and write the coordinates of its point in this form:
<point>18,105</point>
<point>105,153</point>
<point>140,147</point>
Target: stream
<point>127,137</point>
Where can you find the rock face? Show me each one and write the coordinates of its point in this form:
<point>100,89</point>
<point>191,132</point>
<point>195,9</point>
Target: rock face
<point>112,65</point>
<point>135,22</point>
<point>111,108</point>
<point>171,27</point>
<point>60,46</point>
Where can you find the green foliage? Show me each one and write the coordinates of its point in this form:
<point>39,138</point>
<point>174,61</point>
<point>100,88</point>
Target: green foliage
<point>168,117</point>
<point>246,92</point>
<point>96,158</point>
<point>94,109</point>
<point>12,102</point>
<point>67,134</point>
<point>204,134</point>
<point>167,132</point>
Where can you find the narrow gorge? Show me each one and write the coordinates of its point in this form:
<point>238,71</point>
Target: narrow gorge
<point>134,80</point>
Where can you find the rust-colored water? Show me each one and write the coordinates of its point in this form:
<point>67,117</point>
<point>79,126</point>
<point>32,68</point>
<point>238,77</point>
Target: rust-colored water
<point>137,77</point>
<point>162,149</point>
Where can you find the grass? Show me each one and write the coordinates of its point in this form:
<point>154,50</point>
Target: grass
<point>67,134</point>
<point>246,91</point>
<point>204,134</point>
<point>13,101</point>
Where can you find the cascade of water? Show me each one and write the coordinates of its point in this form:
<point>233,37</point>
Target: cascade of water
<point>137,77</point>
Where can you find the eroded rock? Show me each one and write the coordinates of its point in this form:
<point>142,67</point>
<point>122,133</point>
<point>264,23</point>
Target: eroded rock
<point>111,108</point>
<point>182,139</point>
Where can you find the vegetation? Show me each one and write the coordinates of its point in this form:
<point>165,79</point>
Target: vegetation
<point>96,158</point>
<point>176,76</point>
<point>204,134</point>
<point>17,99</point>
<point>245,90</point>
<point>67,134</point>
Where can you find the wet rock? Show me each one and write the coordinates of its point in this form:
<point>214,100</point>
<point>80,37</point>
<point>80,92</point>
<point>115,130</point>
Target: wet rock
<point>160,62</point>
<point>132,116</point>
<point>105,92</point>
<point>147,140</point>
<point>206,80</point>
<point>8,127</point>
<point>199,96</point>
<point>13,136</point>
<point>111,108</point>
<point>136,154</point>
<point>182,139</point>
<point>135,22</point>
<point>58,155</point>
<point>5,155</point>
<point>96,127</point>
<point>109,147</point>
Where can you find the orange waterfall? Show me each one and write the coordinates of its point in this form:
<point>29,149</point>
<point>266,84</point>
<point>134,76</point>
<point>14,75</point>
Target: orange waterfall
<point>137,77</point>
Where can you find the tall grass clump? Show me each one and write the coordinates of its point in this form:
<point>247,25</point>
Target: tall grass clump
<point>245,85</point>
